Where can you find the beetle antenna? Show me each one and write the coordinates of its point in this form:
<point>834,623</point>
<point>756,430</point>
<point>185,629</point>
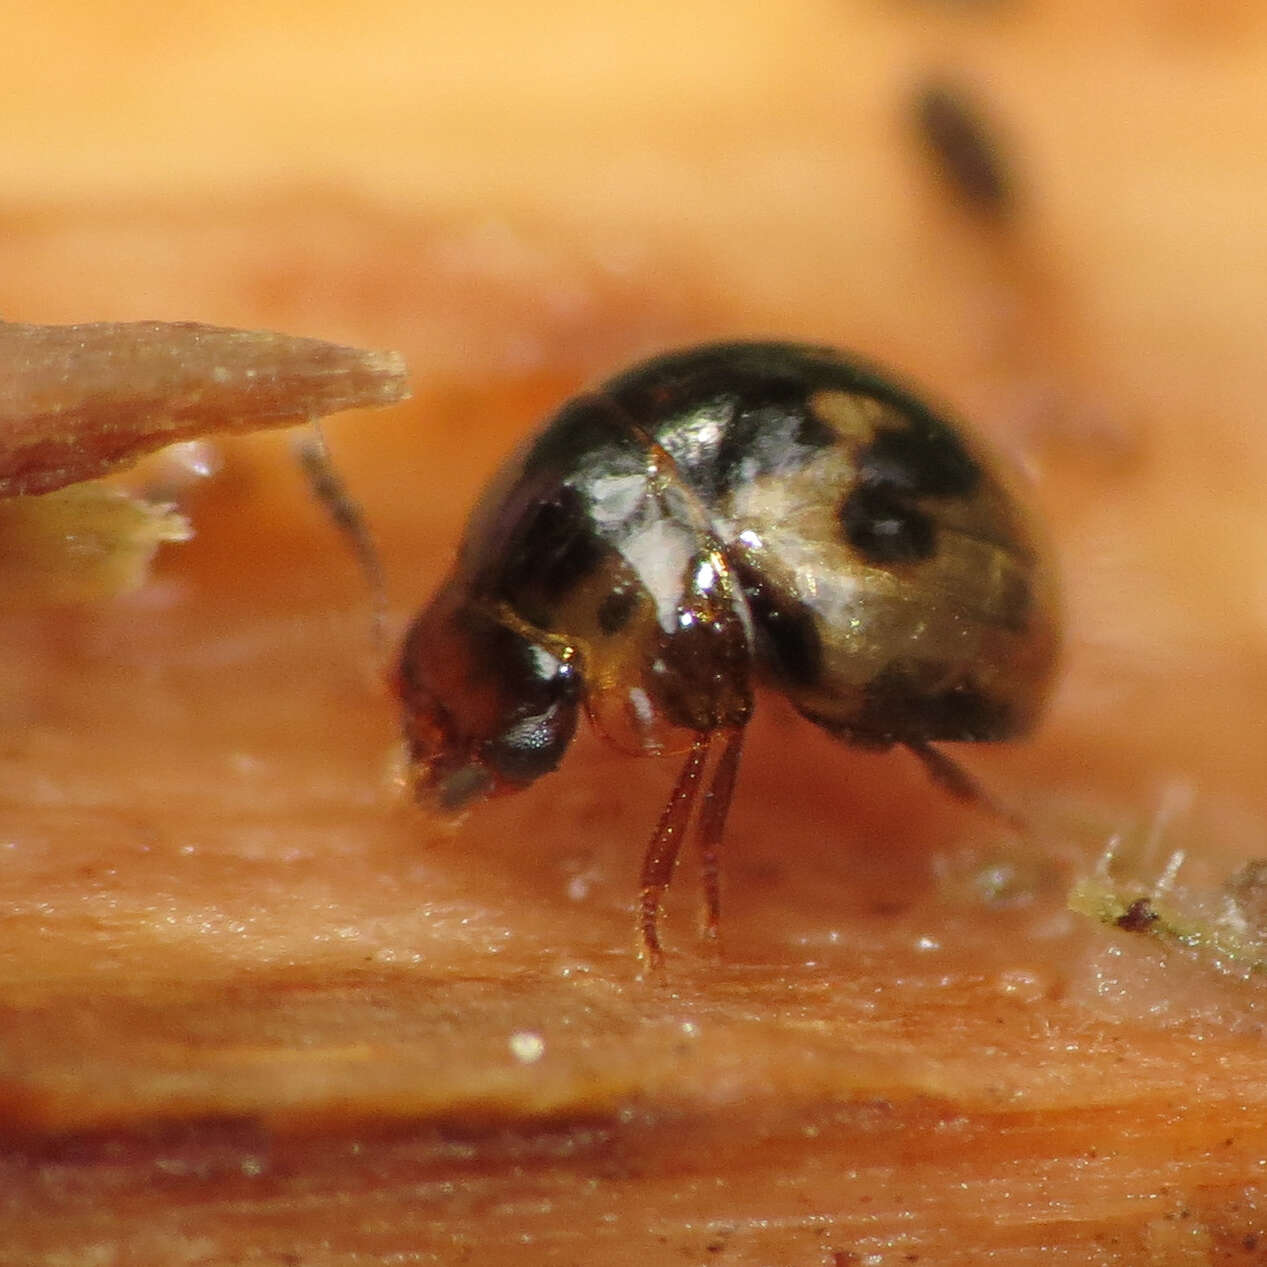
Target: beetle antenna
<point>349,518</point>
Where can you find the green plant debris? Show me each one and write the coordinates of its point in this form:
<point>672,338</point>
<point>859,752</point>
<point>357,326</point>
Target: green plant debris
<point>1226,925</point>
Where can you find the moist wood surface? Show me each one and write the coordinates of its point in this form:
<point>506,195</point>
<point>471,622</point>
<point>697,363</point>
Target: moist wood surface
<point>256,1011</point>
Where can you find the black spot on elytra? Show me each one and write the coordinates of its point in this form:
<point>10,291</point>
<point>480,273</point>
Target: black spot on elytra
<point>787,632</point>
<point>881,517</point>
<point>885,528</point>
<point>901,707</point>
<point>616,609</point>
<point>553,549</point>
<point>923,459</point>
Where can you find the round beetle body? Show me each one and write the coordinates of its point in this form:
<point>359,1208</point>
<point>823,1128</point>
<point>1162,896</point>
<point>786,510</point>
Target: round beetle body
<point>715,518</point>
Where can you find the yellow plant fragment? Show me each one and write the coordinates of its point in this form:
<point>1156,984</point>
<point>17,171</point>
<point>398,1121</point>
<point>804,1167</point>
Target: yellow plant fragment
<point>80,543</point>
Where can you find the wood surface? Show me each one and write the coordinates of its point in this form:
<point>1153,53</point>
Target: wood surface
<point>253,1009</point>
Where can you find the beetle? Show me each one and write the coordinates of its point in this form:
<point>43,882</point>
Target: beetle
<point>712,519</point>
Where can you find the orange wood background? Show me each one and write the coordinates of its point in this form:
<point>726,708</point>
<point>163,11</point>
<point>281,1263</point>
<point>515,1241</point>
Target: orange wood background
<point>252,1009</point>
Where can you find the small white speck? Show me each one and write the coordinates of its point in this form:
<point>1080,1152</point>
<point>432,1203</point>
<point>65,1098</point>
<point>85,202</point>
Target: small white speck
<point>690,1029</point>
<point>1021,981</point>
<point>526,1046</point>
<point>927,943</point>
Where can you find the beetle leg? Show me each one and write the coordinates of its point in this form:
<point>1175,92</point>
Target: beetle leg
<point>951,776</point>
<point>712,821</point>
<point>662,852</point>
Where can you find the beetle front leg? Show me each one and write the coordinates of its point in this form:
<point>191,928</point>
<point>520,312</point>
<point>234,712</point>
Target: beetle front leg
<point>662,852</point>
<point>711,825</point>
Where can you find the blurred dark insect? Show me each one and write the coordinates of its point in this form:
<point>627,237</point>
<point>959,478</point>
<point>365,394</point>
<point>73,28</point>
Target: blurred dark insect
<point>963,145</point>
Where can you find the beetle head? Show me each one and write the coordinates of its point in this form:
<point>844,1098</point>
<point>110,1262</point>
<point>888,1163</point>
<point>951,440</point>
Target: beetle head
<point>487,709</point>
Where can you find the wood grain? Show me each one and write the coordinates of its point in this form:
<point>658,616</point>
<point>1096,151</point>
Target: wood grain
<point>256,1010</point>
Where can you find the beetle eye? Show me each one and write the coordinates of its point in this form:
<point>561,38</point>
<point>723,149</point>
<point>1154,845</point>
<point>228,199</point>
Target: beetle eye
<point>535,745</point>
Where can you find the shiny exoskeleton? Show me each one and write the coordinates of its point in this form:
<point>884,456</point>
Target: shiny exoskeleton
<point>712,519</point>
